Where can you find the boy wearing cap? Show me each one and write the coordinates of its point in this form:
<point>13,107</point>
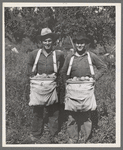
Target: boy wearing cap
<point>49,61</point>
<point>77,103</point>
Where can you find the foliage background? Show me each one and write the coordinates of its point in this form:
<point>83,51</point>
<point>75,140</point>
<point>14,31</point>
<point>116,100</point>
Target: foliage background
<point>98,22</point>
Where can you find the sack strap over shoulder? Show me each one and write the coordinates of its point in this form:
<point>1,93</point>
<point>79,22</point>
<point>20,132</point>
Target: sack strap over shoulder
<point>54,62</point>
<point>70,65</point>
<point>90,64</point>
<point>36,60</point>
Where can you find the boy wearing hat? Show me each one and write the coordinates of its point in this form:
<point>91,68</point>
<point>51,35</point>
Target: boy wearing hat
<point>49,61</point>
<point>78,102</point>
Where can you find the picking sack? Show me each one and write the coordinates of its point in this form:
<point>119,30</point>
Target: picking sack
<point>80,96</point>
<point>42,93</point>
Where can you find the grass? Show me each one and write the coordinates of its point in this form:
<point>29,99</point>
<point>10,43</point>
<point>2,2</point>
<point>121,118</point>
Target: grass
<point>19,114</point>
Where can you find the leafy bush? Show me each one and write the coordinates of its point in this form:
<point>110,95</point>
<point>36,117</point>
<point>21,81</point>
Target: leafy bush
<point>97,21</point>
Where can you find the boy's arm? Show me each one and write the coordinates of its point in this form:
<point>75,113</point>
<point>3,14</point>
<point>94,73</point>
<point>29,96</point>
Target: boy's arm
<point>65,68</point>
<point>100,65</point>
<point>30,63</point>
<point>61,60</point>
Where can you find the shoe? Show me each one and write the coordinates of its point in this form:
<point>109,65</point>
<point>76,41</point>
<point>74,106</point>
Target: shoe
<point>30,140</point>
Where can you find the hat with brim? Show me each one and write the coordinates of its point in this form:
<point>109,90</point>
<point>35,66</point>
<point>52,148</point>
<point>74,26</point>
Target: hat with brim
<point>47,33</point>
<point>81,38</point>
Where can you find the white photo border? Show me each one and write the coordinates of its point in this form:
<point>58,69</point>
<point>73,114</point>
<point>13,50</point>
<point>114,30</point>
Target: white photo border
<point>118,73</point>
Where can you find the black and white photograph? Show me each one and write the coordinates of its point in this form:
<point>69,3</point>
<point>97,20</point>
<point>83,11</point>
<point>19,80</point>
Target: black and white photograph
<point>61,74</point>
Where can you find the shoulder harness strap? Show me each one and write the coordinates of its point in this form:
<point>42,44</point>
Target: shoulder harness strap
<point>36,60</point>
<point>54,62</point>
<point>90,64</point>
<point>70,65</point>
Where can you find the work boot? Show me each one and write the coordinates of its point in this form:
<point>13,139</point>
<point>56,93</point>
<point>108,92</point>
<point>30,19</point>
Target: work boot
<point>30,140</point>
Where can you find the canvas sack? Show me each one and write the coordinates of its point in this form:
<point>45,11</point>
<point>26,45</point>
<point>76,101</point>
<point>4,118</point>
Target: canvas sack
<point>43,93</point>
<point>80,97</point>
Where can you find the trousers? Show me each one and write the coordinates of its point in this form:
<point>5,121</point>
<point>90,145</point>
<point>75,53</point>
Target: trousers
<point>79,122</point>
<point>39,114</point>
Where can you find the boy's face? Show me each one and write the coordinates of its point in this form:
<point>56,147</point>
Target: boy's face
<point>47,43</point>
<point>80,45</point>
